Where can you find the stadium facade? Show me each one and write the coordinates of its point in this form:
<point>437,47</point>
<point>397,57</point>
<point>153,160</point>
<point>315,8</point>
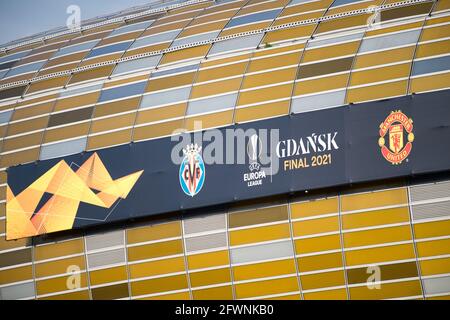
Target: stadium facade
<point>93,207</point>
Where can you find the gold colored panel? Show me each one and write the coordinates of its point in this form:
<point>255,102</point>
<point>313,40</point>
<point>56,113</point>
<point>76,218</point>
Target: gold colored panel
<point>259,234</point>
<point>206,260</point>
<point>433,248</point>
<point>342,23</point>
<point>22,141</point>
<point>432,49</point>
<point>432,229</point>
<point>245,28</point>
<point>379,254</point>
<point>371,237</point>
<point>271,77</point>
<point>221,72</point>
<point>387,291</point>
<point>299,17</point>
<point>265,94</point>
<point>112,123</point>
<point>304,7</point>
<point>290,33</point>
<point>217,293</point>
<point>172,296</point>
<point>429,83</point>
<point>380,74</point>
<point>155,250</point>
<point>214,88</point>
<point>375,218</point>
<point>11,244</point>
<point>252,7</point>
<point>161,83</point>
<point>323,243</point>
<point>116,107</point>
<point>323,280</point>
<point>321,225</point>
<point>336,294</point>
<point>330,52</point>
<point>116,291</point>
<point>77,101</point>
<point>278,61</point>
<point>163,113</point>
<point>159,285</point>
<point>154,232</point>
<point>321,84</point>
<point>215,25</point>
<point>108,275</point>
<point>96,73</point>
<point>267,287</point>
<point>65,67</point>
<point>63,266</point>
<point>33,111</point>
<point>47,84</point>
<point>58,249</point>
<point>263,270</point>
<point>76,130</point>
<point>28,125</point>
<point>190,53</point>
<point>213,120</point>
<point>65,59</point>
<point>157,130</point>
<point>384,57</point>
<point>394,28</point>
<point>435,266</point>
<point>374,199</point>
<point>320,262</point>
<point>205,278</point>
<point>315,207</point>
<point>58,284</point>
<point>109,139</point>
<point>119,38</point>
<point>79,295</point>
<point>16,275</point>
<point>158,267</point>
<point>261,111</point>
<point>20,157</point>
<point>258,216</point>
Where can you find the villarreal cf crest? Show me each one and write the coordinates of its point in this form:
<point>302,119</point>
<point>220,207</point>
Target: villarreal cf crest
<point>192,170</point>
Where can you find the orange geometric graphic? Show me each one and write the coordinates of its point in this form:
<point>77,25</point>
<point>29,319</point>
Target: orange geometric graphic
<point>67,189</point>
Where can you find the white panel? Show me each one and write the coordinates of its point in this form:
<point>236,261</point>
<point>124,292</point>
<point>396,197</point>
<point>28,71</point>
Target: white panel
<point>318,101</point>
<point>262,252</point>
<point>105,240</point>
<point>432,210</point>
<point>100,259</point>
<point>61,149</point>
<point>18,291</point>
<point>430,191</point>
<point>437,285</point>
<point>205,223</point>
<point>165,97</point>
<point>209,241</point>
<point>224,102</point>
<point>136,65</point>
<point>247,42</point>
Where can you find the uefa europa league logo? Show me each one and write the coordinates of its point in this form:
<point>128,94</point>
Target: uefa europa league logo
<point>254,148</point>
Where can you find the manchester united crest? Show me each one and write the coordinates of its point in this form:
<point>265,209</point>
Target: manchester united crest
<point>396,137</point>
<point>192,170</point>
